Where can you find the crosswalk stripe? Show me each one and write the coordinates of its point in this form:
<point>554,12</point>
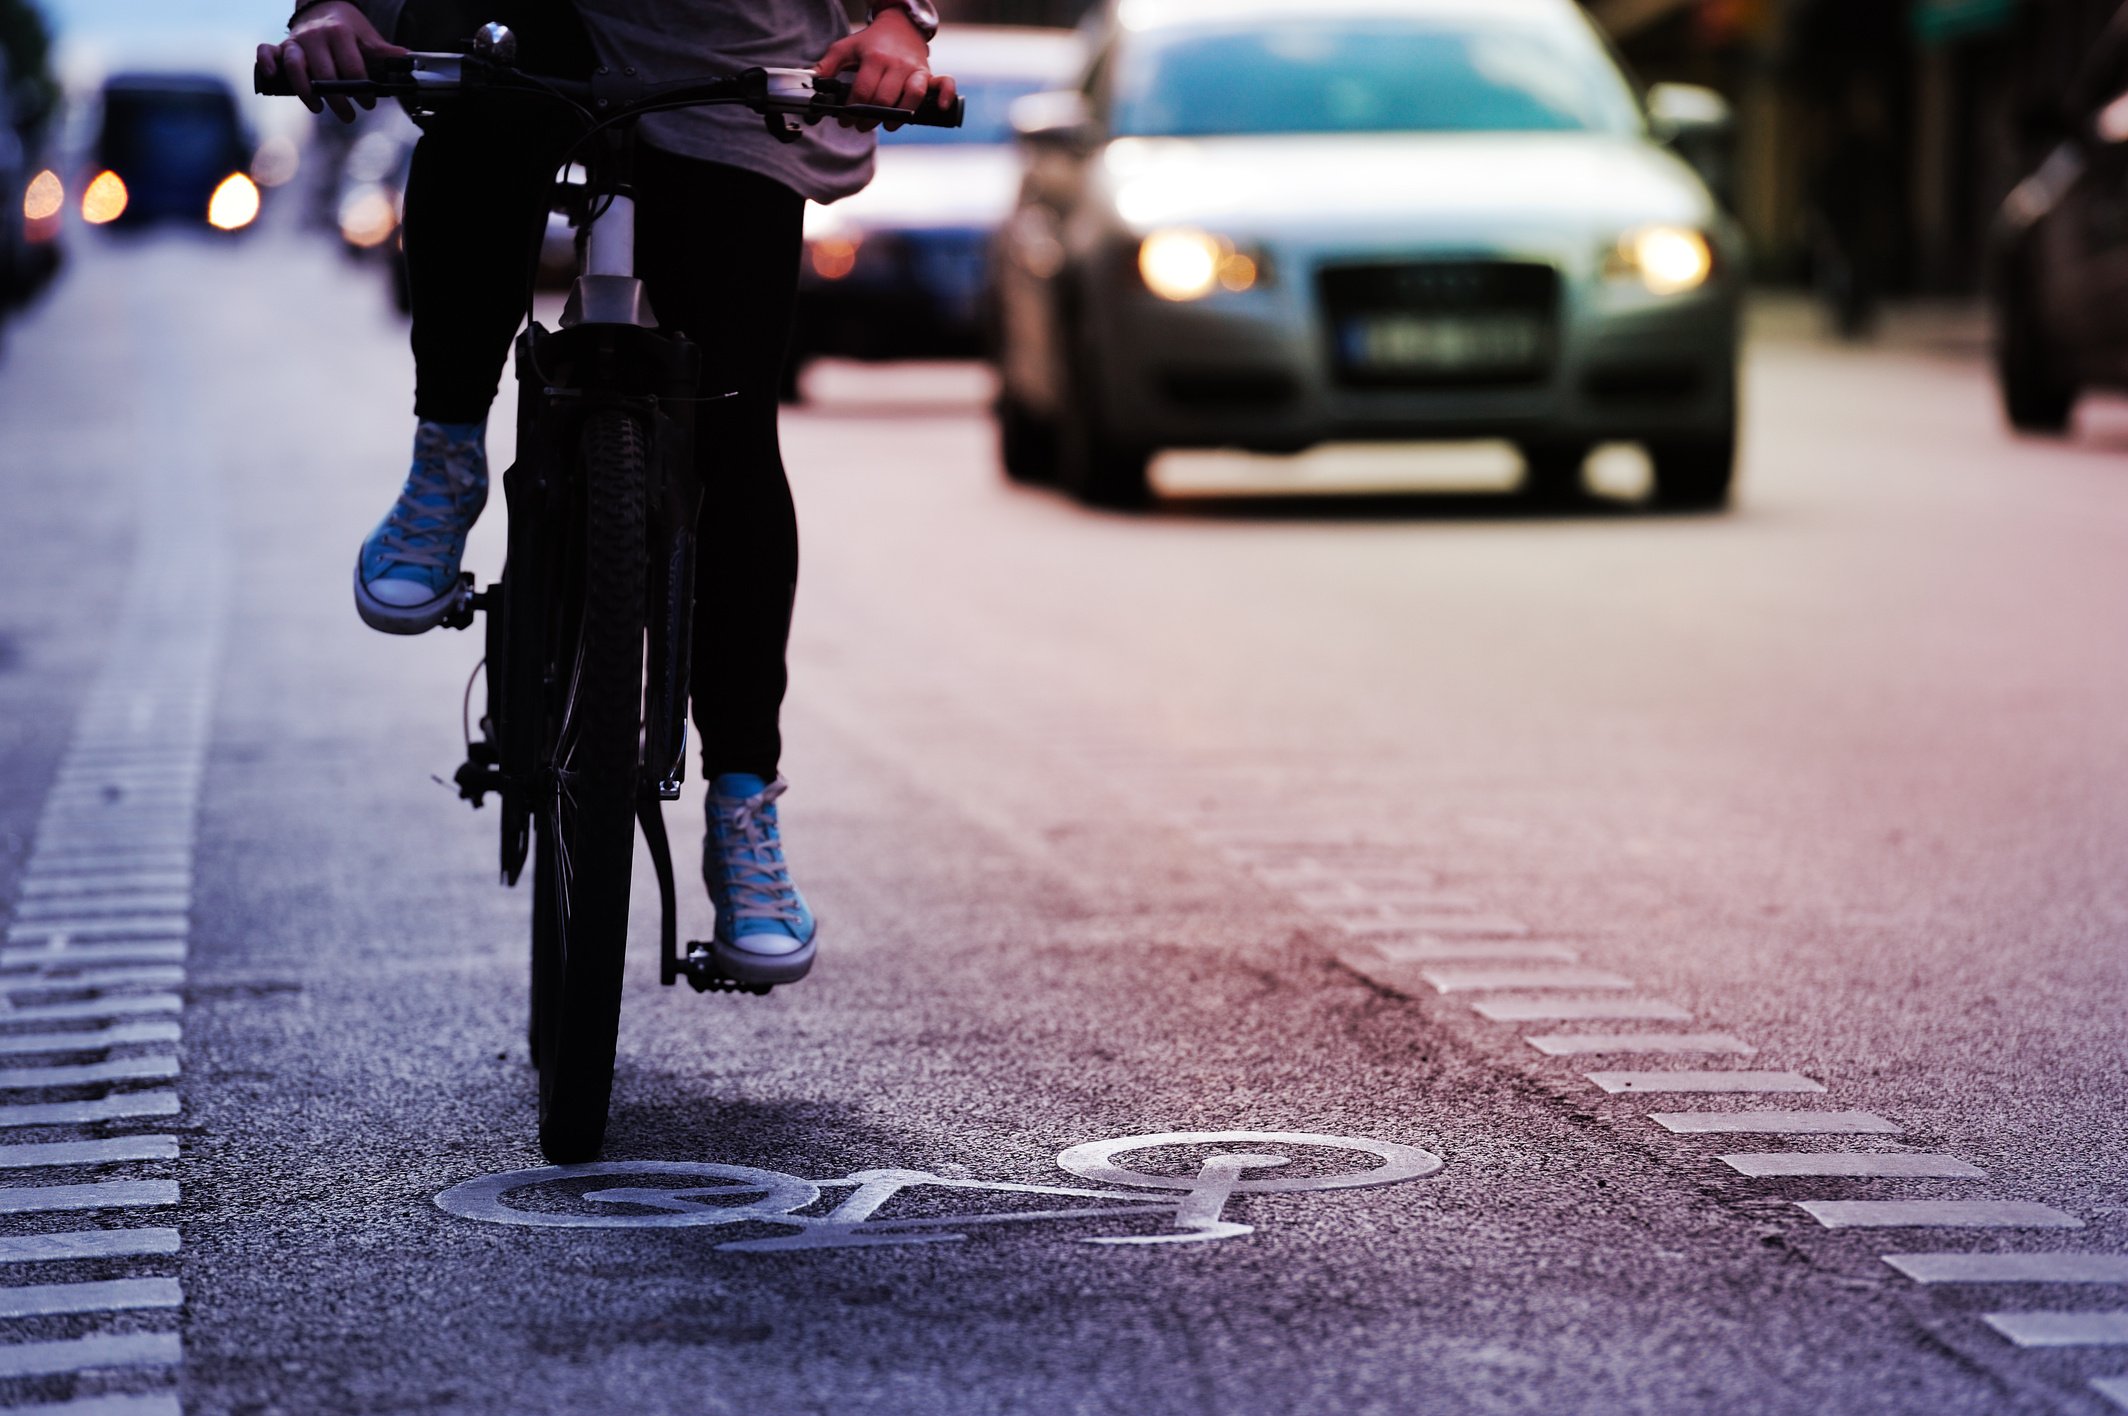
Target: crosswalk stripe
<point>1937,1214</point>
<point>112,976</point>
<point>45,885</point>
<point>1461,925</point>
<point>116,951</point>
<point>44,909</point>
<point>160,1067</point>
<point>110,1194</point>
<point>1579,1010</point>
<point>116,927</point>
<point>2054,1267</point>
<point>1866,1164</point>
<point>86,1244</point>
<point>81,1354</point>
<point>1588,1044</point>
<point>1471,980</point>
<point>1723,1081</point>
<point>122,1006</point>
<point>104,1152</point>
<point>75,1113</point>
<point>1427,951</point>
<point>102,1296</point>
<point>157,1403</point>
<point>2104,1329</point>
<point>1774,1123</point>
<point>92,1039</point>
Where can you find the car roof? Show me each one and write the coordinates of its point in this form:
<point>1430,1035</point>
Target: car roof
<point>1008,50</point>
<point>1161,14</point>
<point>150,83</point>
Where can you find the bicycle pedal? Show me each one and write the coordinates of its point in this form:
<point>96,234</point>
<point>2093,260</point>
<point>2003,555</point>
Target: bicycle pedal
<point>702,973</point>
<point>463,603</point>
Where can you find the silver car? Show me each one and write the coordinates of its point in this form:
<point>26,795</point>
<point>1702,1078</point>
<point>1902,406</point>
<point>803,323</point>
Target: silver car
<point>1264,226</point>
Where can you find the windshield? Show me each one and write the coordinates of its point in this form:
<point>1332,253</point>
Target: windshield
<point>986,120</point>
<point>169,132</point>
<point>1471,74</point>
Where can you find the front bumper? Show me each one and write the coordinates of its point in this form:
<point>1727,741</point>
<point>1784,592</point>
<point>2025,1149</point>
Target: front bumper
<point>1259,370</point>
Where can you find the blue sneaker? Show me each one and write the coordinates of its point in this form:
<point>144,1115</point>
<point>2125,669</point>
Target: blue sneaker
<point>764,930</point>
<point>406,574</point>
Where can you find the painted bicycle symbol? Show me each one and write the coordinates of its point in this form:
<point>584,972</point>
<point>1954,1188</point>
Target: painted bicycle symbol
<point>690,1194</point>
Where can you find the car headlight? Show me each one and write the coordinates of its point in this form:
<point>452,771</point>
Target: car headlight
<point>1185,264</point>
<point>1668,260</point>
<point>368,217</point>
<point>104,199</point>
<point>235,203</point>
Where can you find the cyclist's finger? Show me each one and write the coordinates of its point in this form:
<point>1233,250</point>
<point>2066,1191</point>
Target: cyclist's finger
<point>914,85</point>
<point>841,55</point>
<point>296,65</point>
<point>870,85</point>
<point>347,61</point>
<point>947,91</point>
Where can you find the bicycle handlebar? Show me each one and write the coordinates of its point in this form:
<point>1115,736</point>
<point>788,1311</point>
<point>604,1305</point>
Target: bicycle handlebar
<point>794,93</point>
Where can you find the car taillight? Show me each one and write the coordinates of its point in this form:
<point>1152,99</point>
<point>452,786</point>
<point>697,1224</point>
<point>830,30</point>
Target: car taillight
<point>104,199</point>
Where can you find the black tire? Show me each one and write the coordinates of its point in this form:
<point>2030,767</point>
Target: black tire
<point>1094,465</point>
<point>788,390</point>
<point>1552,471</point>
<point>1027,444</point>
<point>584,810</point>
<point>1694,474</point>
<point>2036,397</point>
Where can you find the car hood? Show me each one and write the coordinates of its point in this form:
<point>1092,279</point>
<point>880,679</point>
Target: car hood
<point>1358,184</point>
<point>929,188</point>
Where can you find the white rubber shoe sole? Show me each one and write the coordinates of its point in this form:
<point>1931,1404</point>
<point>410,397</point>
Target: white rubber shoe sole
<point>418,618</point>
<point>749,967</point>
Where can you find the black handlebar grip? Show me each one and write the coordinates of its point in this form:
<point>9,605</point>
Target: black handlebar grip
<point>271,85</point>
<point>930,115</point>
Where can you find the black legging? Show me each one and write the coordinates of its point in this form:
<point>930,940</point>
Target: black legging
<point>719,249</point>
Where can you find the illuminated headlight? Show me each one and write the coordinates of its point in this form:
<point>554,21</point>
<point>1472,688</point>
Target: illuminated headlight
<point>1668,260</point>
<point>235,204</point>
<point>1185,264</point>
<point>368,217</point>
<point>104,199</point>
<point>43,204</point>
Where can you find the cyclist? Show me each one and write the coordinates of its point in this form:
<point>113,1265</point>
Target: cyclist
<point>719,208</point>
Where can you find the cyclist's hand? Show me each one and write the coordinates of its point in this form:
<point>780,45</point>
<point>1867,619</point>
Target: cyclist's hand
<point>893,65</point>
<point>328,41</point>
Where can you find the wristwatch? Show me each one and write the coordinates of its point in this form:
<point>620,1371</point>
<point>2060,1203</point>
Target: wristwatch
<point>922,13</point>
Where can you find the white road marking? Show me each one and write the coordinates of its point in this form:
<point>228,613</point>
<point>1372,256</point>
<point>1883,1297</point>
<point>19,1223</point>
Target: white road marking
<point>122,1006</point>
<point>2114,1389</point>
<point>1461,925</point>
<point>2012,1268</point>
<point>2102,1329</point>
<point>111,1151</point>
<point>75,1113</point>
<point>1900,1164</point>
<point>111,951</point>
<point>1354,898</point>
<point>1474,979</point>
<point>116,927</point>
<point>1428,951</point>
<point>160,1067</point>
<point>81,1354</point>
<point>1576,1010</point>
<point>1587,1044</point>
<point>93,977</point>
<point>93,907</point>
<point>1937,1214</point>
<point>1725,1081</point>
<point>91,1040</point>
<point>1774,1123</point>
<point>114,1295</point>
<point>160,1403</point>
<point>43,885</point>
<point>109,1194</point>
<point>87,1244</point>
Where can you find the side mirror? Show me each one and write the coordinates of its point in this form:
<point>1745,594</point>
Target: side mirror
<point>1684,112</point>
<point>1062,120</point>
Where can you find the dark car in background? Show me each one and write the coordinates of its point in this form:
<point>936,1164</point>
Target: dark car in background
<point>899,271</point>
<point>170,147</point>
<point>32,195</point>
<point>2058,255</point>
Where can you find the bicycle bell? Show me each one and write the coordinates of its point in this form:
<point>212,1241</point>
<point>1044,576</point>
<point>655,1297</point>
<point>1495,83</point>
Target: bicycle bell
<point>496,43</point>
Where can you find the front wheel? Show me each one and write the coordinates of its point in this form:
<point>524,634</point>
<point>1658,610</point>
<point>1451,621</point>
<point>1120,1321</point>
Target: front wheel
<point>584,807</point>
<point>2036,398</point>
<point>1694,474</point>
<point>1093,464</point>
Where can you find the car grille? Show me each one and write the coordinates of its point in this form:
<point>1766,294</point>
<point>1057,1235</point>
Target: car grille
<point>1441,324</point>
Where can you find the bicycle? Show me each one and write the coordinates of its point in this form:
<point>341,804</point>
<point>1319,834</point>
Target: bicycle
<point>585,732</point>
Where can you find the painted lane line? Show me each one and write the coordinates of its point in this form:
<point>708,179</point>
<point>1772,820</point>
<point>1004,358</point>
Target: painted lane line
<point>1480,925</point>
<point>1381,901</point>
<point>1472,980</point>
<point>113,1151</point>
<point>1899,1165</point>
<point>1430,951</point>
<point>125,1005</point>
<point>114,976</point>
<point>2114,1389</point>
<point>1773,1123</point>
<point>2100,1329</point>
<point>2012,1268</point>
<point>120,927</point>
<point>92,1039</point>
<point>1586,1044</point>
<point>1578,1010</point>
<point>111,951</point>
<point>90,907</point>
<point>40,886</point>
<point>109,1194</point>
<point>122,1107</point>
<point>1937,1214</point>
<point>87,1244</point>
<point>160,1403</point>
<point>1724,1081</point>
<point>158,1068</point>
<point>82,1354</point>
<point>114,1295</point>
<point>121,863</point>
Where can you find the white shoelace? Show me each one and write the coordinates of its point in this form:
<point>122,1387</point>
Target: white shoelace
<point>754,871</point>
<point>429,519</point>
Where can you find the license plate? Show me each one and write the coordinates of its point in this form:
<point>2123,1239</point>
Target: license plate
<point>1441,344</point>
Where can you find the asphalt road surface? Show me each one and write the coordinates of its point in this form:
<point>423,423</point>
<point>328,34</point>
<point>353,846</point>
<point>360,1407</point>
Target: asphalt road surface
<point>1386,827</point>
